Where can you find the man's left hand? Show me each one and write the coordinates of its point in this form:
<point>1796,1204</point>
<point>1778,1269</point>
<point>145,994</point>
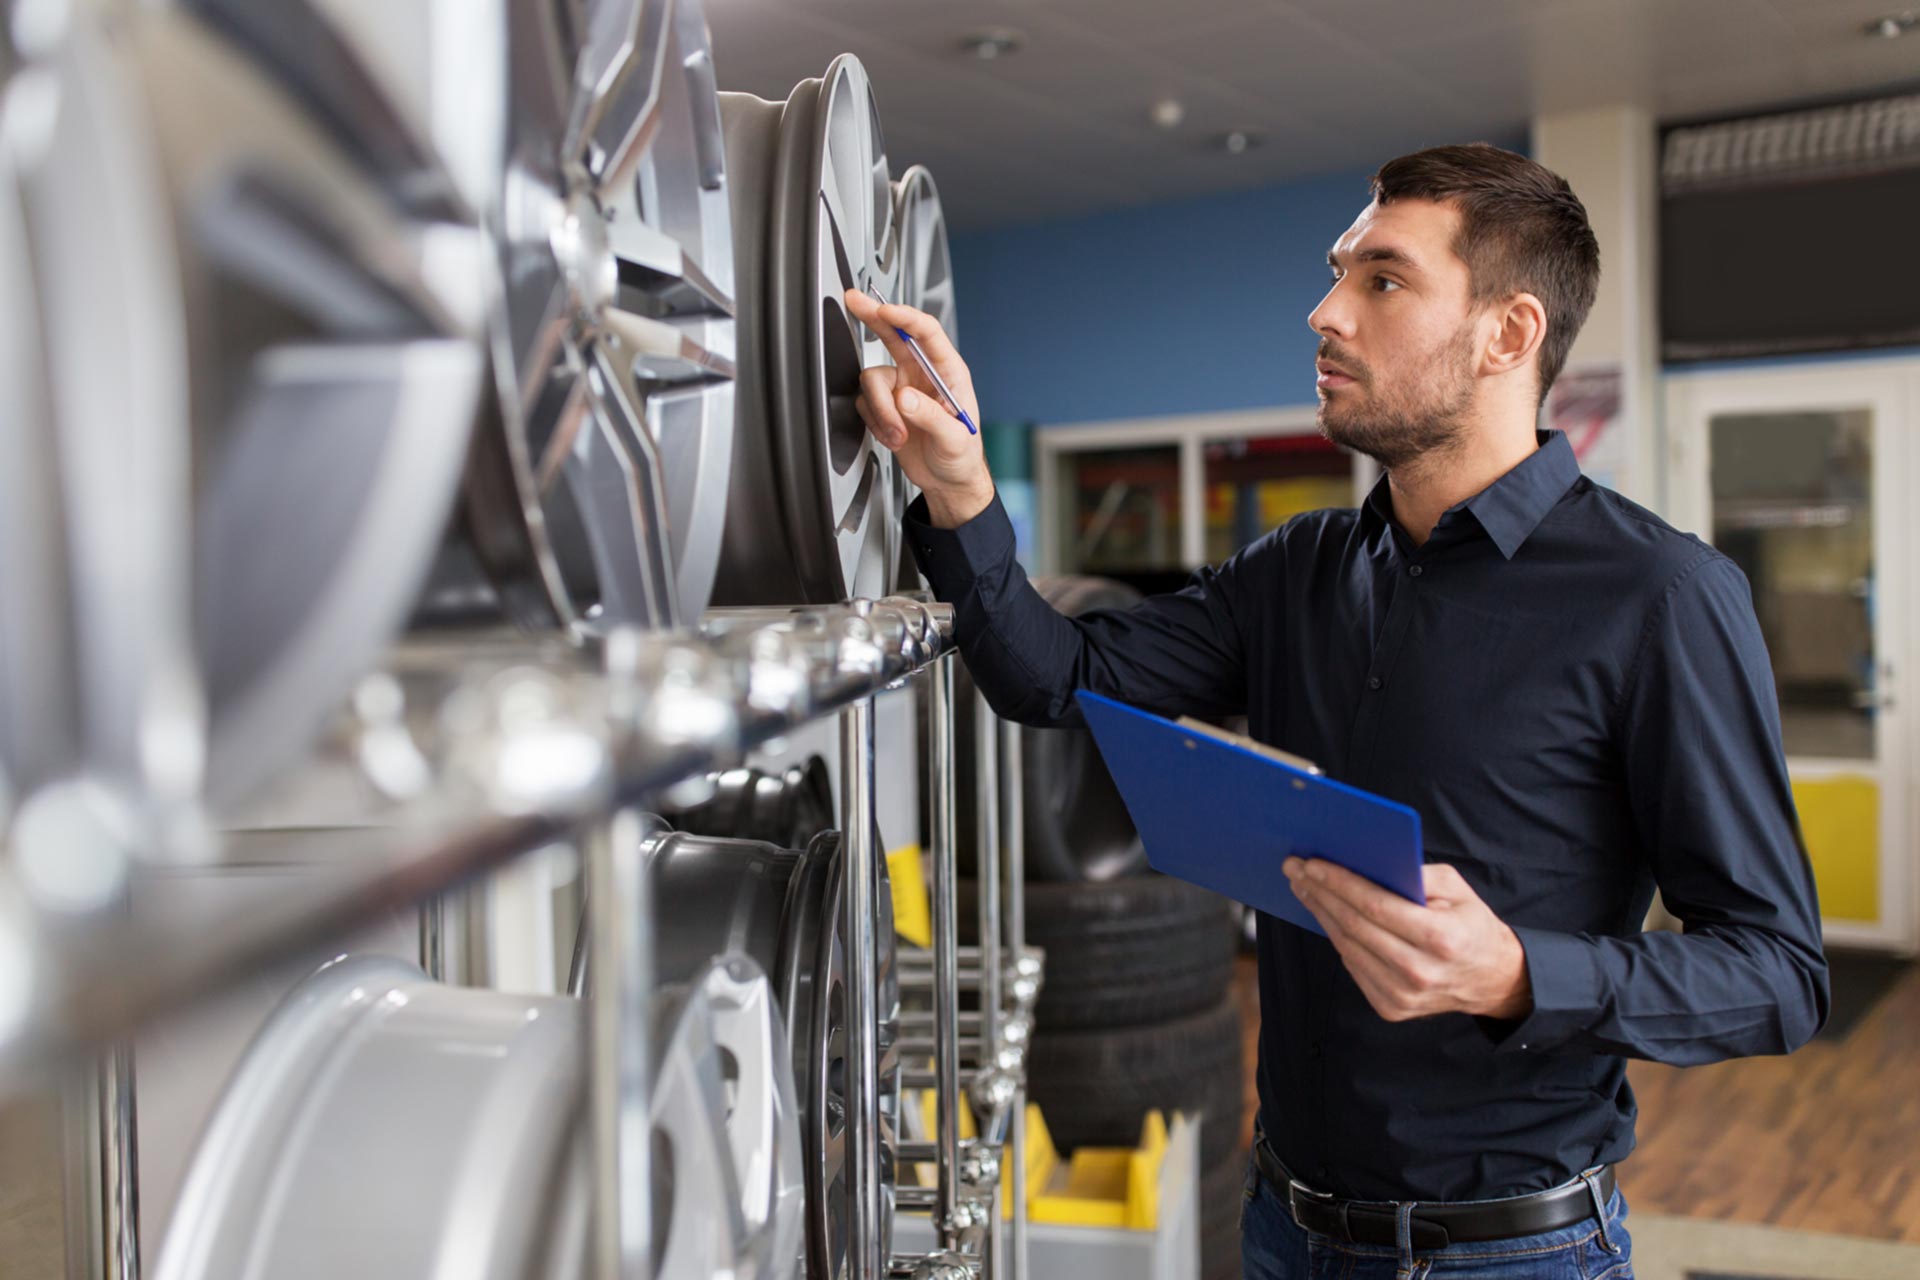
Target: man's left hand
<point>1451,956</point>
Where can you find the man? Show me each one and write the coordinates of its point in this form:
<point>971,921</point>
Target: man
<point>1574,696</point>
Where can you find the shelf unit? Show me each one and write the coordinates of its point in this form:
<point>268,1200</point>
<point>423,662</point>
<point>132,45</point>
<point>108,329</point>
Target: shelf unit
<point>487,749</point>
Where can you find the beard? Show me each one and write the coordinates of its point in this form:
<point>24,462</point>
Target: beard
<point>1419,412</point>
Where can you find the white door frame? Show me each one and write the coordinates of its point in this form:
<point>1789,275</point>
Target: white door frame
<point>1188,432</point>
<point>1891,389</point>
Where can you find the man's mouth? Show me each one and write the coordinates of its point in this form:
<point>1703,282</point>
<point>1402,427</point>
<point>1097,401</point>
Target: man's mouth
<point>1330,376</point>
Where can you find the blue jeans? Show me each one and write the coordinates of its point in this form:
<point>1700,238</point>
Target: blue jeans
<point>1274,1247</point>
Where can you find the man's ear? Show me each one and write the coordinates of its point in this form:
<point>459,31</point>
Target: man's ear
<point>1519,327</point>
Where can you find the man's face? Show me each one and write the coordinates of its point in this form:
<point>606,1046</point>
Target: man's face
<point>1396,365</point>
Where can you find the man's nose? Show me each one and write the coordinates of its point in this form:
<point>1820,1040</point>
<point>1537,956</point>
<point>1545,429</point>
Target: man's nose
<point>1332,318</point>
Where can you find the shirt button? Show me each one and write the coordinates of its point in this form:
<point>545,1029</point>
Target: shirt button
<point>1415,571</point>
<point>1373,682</point>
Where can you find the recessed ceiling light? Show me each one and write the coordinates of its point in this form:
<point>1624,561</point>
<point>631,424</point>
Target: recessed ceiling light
<point>1167,114</point>
<point>1891,26</point>
<point>995,42</point>
<point>1237,141</point>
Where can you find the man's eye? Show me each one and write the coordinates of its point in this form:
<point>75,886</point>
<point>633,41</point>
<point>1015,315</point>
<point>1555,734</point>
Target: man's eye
<point>1384,285</point>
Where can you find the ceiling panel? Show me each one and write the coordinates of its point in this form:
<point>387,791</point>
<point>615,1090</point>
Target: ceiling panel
<point>1061,126</point>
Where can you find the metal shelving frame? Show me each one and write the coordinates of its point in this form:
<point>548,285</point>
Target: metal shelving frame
<point>447,734</point>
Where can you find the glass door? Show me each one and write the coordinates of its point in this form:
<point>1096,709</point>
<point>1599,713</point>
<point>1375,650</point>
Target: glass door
<point>1795,476</point>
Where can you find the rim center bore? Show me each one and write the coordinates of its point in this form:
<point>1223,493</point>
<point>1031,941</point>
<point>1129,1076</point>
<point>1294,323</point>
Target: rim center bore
<point>585,254</point>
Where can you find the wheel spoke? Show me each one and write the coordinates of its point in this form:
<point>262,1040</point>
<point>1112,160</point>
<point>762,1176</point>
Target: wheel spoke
<point>540,84</point>
<point>307,56</point>
<point>553,427</point>
<point>665,352</point>
<point>536,322</point>
<point>842,229</point>
<point>265,238</point>
<point>632,117</point>
<point>618,475</point>
<point>609,40</point>
<point>657,277</point>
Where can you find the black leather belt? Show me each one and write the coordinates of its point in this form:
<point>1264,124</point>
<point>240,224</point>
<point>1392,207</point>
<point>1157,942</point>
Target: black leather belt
<point>1436,1224</point>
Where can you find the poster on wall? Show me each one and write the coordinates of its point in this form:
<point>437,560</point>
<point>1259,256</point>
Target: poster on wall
<point>1586,404</point>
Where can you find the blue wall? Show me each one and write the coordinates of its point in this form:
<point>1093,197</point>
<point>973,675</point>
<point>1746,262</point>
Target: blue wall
<point>1186,307</point>
<point>1193,306</point>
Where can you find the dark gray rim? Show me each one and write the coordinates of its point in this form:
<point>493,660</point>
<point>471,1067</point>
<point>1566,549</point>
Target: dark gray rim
<point>814,206</point>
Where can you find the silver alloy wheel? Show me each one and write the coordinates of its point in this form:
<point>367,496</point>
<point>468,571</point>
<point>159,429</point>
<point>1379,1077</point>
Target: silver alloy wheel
<point>80,220</point>
<point>295,339</point>
<point>469,1106</point>
<point>926,282</point>
<point>813,217</point>
<point>726,1057</point>
<point>598,499</point>
<point>385,1126</point>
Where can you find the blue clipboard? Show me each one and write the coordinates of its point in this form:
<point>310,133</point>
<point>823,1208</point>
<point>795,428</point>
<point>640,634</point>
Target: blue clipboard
<point>1224,817</point>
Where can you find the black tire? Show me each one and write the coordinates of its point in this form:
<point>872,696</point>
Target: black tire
<point>1122,953</point>
<point>1095,1087</point>
<point>1077,827</point>
<point>1222,1194</point>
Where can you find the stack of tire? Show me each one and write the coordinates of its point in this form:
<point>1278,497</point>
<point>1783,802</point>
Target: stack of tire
<point>1137,1012</point>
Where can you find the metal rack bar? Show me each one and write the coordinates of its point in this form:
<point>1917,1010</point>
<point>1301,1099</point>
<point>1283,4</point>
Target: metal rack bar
<point>119,1166</point>
<point>860,859</point>
<point>619,1016</point>
<point>672,705</point>
<point>946,1019</point>
<point>1014,841</point>
<point>433,937</point>
<point>987,857</point>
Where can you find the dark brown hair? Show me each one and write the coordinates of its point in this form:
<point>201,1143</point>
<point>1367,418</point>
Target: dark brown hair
<point>1522,230</point>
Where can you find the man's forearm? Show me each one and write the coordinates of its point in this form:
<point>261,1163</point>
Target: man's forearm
<point>951,508</point>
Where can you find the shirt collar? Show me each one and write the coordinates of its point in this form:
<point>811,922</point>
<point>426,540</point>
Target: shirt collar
<point>1512,507</point>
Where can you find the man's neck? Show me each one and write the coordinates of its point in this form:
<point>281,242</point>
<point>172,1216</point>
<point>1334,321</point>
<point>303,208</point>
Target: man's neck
<point>1425,489</point>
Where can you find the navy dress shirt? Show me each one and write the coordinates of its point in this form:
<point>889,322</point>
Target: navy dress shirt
<point>1577,701</point>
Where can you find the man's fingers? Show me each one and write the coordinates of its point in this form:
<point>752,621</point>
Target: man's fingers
<point>878,409</point>
<point>1383,989</point>
<point>926,414</point>
<point>1444,883</point>
<point>881,435</point>
<point>1382,906</point>
<point>867,312</point>
<point>886,322</point>
<point>1407,960</point>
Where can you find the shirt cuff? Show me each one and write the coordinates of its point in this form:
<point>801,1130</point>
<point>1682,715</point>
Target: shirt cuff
<point>952,559</point>
<point>1566,993</point>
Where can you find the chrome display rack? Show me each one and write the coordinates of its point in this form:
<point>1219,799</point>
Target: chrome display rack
<point>488,749</point>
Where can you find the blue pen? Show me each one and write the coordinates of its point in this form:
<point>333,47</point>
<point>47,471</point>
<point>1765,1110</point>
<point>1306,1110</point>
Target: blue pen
<point>926,367</point>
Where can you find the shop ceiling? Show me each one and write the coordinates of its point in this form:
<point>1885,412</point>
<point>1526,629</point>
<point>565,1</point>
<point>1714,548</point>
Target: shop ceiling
<point>1064,123</point>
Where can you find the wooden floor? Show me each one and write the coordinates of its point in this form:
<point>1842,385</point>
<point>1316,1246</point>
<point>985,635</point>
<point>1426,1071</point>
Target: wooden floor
<point>1825,1140</point>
